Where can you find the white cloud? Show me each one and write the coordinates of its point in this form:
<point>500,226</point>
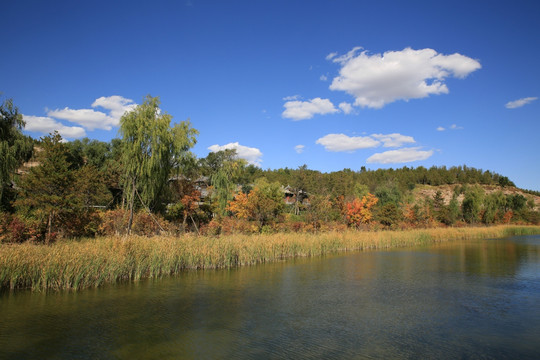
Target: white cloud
<point>520,102</point>
<point>377,80</point>
<point>301,110</point>
<point>342,142</point>
<point>299,148</point>
<point>46,125</point>
<point>88,118</point>
<point>394,140</point>
<point>323,78</point>
<point>451,127</point>
<point>251,155</point>
<point>400,156</point>
<point>331,56</point>
<point>117,105</point>
<point>92,119</point>
<point>346,107</point>
<point>291,98</point>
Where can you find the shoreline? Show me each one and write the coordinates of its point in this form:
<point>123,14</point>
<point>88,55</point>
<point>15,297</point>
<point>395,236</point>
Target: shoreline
<point>78,264</point>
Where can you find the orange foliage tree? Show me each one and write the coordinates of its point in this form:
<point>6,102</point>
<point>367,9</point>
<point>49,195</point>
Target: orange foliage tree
<point>263,204</point>
<point>239,206</point>
<point>358,211</point>
<point>190,204</point>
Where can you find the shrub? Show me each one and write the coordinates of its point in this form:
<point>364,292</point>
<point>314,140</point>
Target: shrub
<point>15,229</point>
<point>114,222</point>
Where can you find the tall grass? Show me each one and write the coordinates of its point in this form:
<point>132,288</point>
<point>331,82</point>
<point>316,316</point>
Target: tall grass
<point>74,265</point>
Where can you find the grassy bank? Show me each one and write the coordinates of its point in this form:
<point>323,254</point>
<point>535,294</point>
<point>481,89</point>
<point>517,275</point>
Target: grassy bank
<point>90,263</point>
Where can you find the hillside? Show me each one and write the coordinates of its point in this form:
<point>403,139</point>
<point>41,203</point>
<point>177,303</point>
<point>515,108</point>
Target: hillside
<point>422,192</point>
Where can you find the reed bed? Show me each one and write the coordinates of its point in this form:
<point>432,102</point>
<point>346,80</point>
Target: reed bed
<point>74,265</point>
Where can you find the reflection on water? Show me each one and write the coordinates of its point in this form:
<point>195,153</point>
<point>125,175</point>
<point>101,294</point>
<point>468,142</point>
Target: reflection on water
<point>457,300</point>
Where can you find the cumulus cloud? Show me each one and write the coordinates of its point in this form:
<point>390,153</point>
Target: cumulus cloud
<point>47,125</point>
<point>394,140</point>
<point>376,80</point>
<point>251,155</point>
<point>440,128</point>
<point>117,105</point>
<point>400,156</point>
<point>299,148</point>
<point>346,107</point>
<point>342,142</point>
<point>520,102</point>
<point>88,118</point>
<point>301,110</point>
<point>323,77</point>
<point>92,119</point>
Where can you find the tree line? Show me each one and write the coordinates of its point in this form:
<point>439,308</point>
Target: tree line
<point>148,181</point>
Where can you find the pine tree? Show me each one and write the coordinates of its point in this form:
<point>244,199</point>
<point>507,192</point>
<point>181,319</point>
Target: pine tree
<point>47,191</point>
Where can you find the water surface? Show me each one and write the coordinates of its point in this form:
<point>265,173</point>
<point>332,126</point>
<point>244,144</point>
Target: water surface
<point>474,299</point>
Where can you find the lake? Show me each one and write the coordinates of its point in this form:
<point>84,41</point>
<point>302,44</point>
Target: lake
<point>464,299</point>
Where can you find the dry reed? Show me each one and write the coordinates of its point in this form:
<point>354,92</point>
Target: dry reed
<point>74,265</point>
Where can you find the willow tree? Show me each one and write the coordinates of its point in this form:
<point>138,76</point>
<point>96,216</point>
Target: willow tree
<point>15,148</point>
<point>224,179</point>
<point>151,148</point>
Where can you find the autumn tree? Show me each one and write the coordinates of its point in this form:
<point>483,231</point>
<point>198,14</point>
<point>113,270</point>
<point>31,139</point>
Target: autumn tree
<point>263,204</point>
<point>359,211</point>
<point>239,206</point>
<point>190,205</point>
<point>151,148</point>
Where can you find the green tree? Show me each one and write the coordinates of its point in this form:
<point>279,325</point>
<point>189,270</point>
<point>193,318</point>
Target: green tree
<point>298,187</point>
<point>389,214</point>
<point>494,207</point>
<point>472,204</point>
<point>360,190</point>
<point>151,148</point>
<point>388,193</point>
<point>266,201</point>
<point>223,181</point>
<point>454,211</point>
<point>516,202</point>
<point>15,148</point>
<point>46,191</point>
<point>215,160</point>
<point>320,210</point>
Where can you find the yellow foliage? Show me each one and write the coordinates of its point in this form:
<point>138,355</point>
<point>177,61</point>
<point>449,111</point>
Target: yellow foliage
<point>239,206</point>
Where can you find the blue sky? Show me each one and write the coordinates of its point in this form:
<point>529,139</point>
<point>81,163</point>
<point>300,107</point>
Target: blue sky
<point>331,84</point>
